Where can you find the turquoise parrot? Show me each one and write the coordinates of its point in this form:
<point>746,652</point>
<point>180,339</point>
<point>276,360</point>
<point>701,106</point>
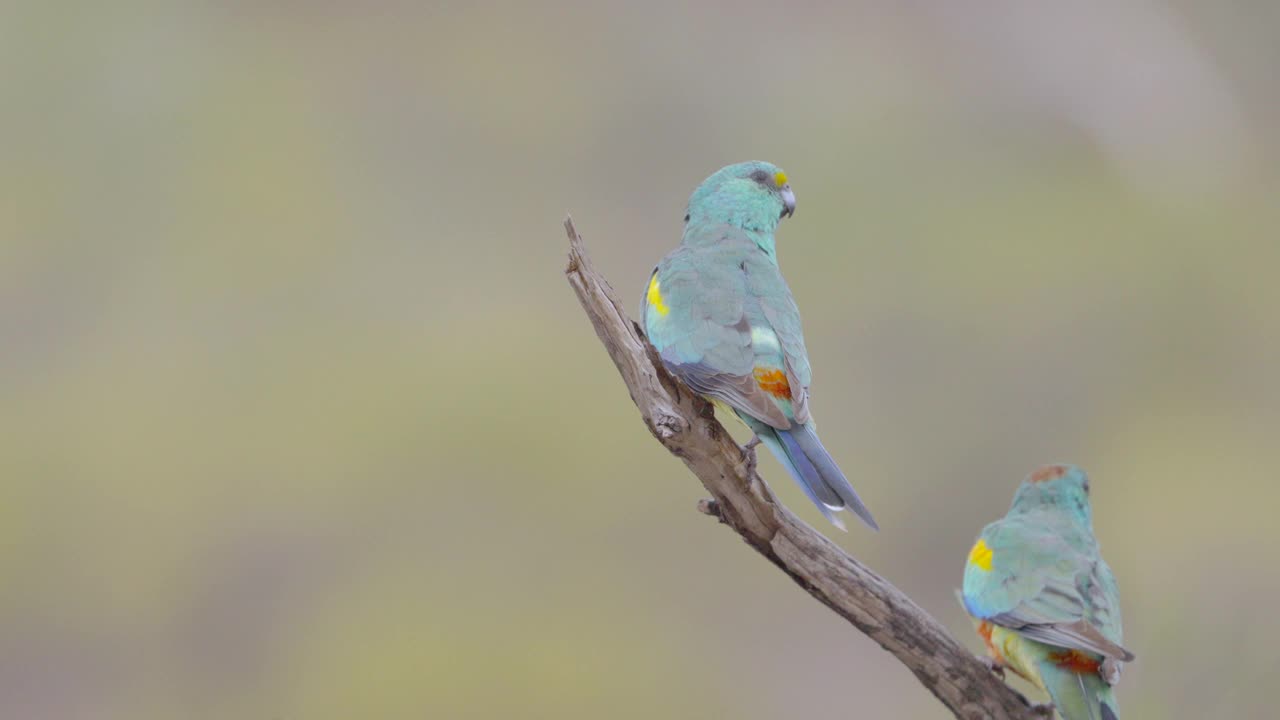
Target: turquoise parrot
<point>1045,603</point>
<point>722,319</point>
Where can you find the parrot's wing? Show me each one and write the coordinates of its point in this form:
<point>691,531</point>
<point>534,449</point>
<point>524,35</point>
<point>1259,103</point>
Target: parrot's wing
<point>741,392</point>
<point>1027,581</point>
<point>1104,601</point>
<point>778,310</point>
<point>1104,614</point>
<point>696,316</point>
<point>1078,635</point>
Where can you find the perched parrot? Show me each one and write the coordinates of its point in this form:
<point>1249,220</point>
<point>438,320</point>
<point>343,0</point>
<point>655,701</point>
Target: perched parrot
<point>1043,599</point>
<point>723,320</point>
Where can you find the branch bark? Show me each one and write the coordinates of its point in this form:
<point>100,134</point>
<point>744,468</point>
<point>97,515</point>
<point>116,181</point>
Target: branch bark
<point>686,426</point>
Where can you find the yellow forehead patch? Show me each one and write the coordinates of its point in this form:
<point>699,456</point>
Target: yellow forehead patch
<point>780,178</point>
<point>980,555</point>
<point>654,296</point>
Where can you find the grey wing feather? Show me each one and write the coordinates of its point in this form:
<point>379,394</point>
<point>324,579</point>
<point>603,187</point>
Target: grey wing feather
<point>741,392</point>
<point>799,395</point>
<point>1064,612</point>
<point>1057,616</point>
<point>779,310</point>
<point>1104,601</point>
<point>1079,635</point>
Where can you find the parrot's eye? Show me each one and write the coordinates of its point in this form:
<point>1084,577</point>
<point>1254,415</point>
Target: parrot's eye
<point>1086,487</point>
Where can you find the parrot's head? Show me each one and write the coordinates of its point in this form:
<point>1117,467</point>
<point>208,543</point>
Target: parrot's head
<point>1061,488</point>
<point>753,195</point>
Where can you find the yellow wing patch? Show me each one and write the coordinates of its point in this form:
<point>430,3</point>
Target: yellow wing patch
<point>654,296</point>
<point>980,555</point>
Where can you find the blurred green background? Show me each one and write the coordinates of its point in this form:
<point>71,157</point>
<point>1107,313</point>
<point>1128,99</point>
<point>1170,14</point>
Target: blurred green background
<point>300,419</point>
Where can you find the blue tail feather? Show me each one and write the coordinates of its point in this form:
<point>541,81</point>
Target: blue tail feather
<point>813,469</point>
<point>812,447</point>
<point>770,439</point>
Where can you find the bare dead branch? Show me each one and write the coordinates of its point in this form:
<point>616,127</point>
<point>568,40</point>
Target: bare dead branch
<point>684,425</point>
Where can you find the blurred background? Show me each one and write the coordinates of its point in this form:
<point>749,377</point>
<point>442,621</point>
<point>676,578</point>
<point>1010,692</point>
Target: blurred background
<point>300,420</point>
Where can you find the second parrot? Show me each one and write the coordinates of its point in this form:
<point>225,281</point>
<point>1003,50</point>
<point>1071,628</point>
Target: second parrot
<point>1045,602</point>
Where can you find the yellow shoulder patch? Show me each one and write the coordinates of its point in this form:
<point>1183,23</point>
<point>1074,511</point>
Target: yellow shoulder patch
<point>654,296</point>
<point>980,555</point>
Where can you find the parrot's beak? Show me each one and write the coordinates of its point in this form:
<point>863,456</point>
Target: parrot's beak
<point>788,201</point>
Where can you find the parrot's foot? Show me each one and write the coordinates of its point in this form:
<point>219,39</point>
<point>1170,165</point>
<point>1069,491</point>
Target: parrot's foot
<point>992,664</point>
<point>749,453</point>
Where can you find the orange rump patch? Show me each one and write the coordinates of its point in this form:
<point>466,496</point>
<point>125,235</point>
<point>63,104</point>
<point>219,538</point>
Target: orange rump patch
<point>984,632</point>
<point>773,382</point>
<point>1075,661</point>
<point>1048,472</point>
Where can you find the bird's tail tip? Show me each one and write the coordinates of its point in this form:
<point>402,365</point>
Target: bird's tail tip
<point>855,506</point>
<point>819,470</point>
<point>864,515</point>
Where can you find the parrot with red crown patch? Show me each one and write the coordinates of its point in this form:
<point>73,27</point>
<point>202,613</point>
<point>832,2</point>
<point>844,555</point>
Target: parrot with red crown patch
<point>1045,603</point>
